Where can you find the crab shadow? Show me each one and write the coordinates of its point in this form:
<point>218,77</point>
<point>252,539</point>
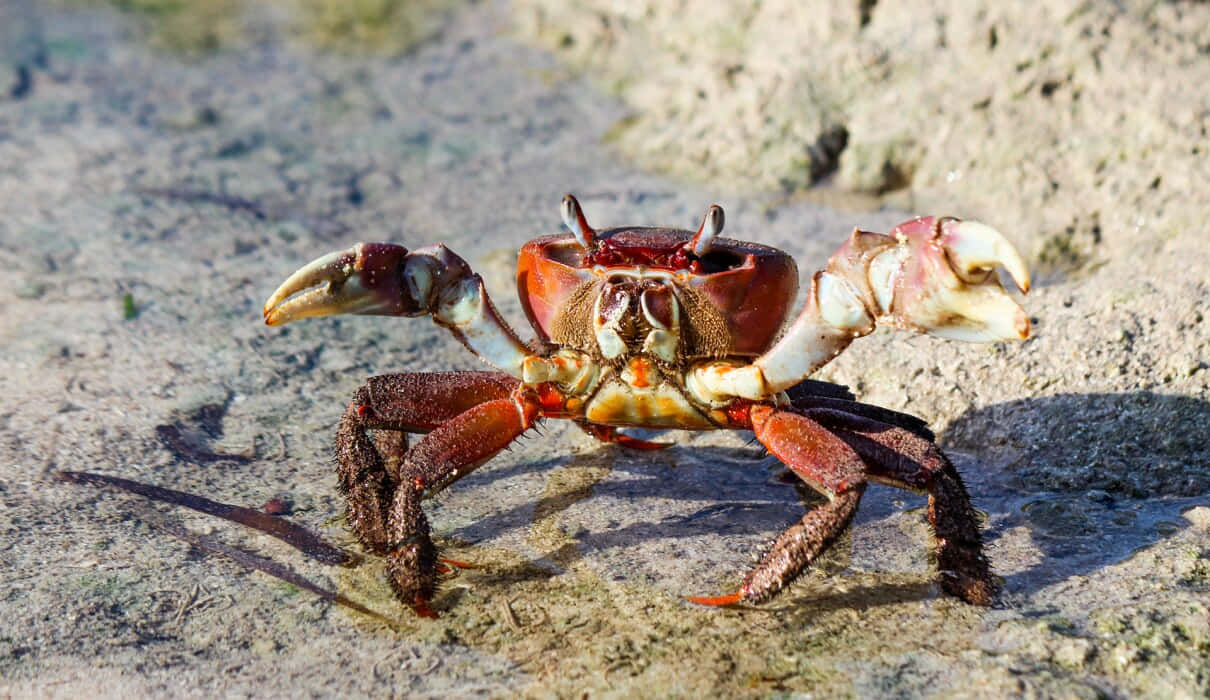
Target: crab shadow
<point>1076,482</point>
<point>732,490</point>
<point>1069,484</point>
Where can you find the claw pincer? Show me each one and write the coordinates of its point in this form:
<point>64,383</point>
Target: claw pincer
<point>940,278</point>
<point>369,278</point>
<point>365,279</point>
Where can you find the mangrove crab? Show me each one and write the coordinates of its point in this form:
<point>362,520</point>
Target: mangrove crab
<point>663,328</point>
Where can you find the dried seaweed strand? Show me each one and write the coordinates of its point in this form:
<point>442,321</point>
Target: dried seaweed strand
<point>193,196</point>
<point>292,534</point>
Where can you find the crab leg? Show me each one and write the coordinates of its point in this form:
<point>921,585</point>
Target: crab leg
<point>608,433</point>
<point>385,279</point>
<point>825,463</point>
<point>393,404</point>
<point>384,481</point>
<point>933,275</point>
<point>421,401</point>
<point>442,457</point>
<point>902,458</point>
<point>803,401</point>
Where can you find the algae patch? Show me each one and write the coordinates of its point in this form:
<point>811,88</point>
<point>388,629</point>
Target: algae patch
<point>385,27</point>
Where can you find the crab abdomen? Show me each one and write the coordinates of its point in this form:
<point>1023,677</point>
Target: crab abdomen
<point>661,405</point>
<point>635,393</point>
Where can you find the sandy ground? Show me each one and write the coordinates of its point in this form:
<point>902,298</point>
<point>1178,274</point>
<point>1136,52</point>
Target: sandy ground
<point>195,186</point>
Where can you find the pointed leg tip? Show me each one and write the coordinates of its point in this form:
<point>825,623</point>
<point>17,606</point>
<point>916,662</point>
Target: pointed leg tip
<point>1024,328</point>
<point>420,606</point>
<point>717,601</point>
<point>457,564</point>
<point>425,612</point>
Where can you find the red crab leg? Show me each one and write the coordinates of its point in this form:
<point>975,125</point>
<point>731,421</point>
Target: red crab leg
<point>907,460</point>
<point>378,473</point>
<point>828,465</point>
<point>608,433</point>
<point>445,455</point>
<point>368,467</point>
<point>454,564</point>
<point>420,401</point>
<point>385,279</point>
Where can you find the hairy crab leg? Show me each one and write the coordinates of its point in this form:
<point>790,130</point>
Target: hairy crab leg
<point>933,275</point>
<point>907,421</point>
<point>814,388</point>
<point>904,459</point>
<point>386,279</point>
<point>372,467</point>
<point>392,404</point>
<point>440,458</point>
<point>417,402</point>
<point>825,463</point>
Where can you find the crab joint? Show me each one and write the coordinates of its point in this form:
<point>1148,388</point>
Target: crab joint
<point>718,383</point>
<point>569,369</point>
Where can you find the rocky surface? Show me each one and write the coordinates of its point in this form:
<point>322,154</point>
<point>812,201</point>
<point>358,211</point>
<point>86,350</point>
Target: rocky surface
<point>152,201</point>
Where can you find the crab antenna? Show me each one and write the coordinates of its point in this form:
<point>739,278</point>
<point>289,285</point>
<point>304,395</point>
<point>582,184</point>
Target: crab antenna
<point>573,219</point>
<point>712,225</point>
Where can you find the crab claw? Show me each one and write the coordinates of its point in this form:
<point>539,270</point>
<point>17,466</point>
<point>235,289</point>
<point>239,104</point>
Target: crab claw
<point>369,278</point>
<point>387,280</point>
<point>939,277</point>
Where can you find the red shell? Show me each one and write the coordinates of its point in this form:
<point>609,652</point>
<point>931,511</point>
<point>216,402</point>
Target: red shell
<point>752,285</point>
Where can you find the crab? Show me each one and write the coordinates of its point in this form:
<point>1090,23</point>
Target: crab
<point>667,329</point>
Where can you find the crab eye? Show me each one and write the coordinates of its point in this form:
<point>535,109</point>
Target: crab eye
<point>712,225</point>
<point>575,221</point>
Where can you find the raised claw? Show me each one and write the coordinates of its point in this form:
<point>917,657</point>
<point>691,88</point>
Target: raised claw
<point>386,279</point>
<point>939,278</point>
<point>368,278</point>
<point>933,275</point>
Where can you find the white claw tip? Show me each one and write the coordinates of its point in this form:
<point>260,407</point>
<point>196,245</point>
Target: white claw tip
<point>712,225</point>
<point>574,220</point>
<point>977,246</point>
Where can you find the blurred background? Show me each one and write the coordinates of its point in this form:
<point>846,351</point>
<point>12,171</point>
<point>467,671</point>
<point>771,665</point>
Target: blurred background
<point>1073,122</point>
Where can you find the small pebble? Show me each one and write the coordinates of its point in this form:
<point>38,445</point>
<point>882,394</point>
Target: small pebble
<point>276,506</point>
